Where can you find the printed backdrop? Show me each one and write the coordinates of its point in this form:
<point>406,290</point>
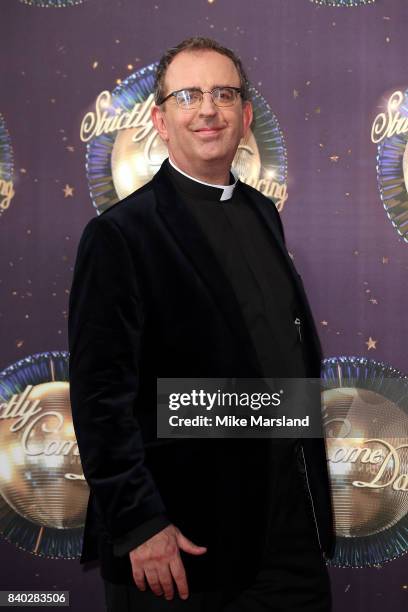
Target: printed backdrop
<point>329,86</point>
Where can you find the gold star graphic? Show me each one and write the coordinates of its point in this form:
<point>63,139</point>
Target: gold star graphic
<point>371,343</point>
<point>68,191</point>
<point>323,323</point>
<point>334,158</point>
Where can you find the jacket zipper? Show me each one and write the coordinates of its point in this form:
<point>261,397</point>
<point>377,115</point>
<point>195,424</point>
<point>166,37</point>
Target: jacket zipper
<point>298,324</point>
<point>311,498</point>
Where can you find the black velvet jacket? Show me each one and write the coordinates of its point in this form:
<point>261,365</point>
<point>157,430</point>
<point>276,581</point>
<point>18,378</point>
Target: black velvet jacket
<point>149,299</point>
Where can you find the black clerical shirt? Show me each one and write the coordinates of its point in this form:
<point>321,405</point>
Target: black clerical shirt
<point>254,266</point>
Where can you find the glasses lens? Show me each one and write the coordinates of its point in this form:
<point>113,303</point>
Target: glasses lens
<point>189,98</point>
<point>224,96</point>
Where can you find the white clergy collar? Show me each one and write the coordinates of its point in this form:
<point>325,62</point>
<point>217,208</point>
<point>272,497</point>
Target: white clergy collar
<point>226,190</point>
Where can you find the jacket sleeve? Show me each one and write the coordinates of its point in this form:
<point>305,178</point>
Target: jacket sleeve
<point>105,327</point>
<point>137,536</point>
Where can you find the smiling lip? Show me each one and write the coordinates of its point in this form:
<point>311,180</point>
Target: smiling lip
<point>208,130</point>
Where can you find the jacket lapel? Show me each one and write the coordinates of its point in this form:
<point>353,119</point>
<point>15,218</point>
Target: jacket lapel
<point>193,242</point>
<point>268,214</point>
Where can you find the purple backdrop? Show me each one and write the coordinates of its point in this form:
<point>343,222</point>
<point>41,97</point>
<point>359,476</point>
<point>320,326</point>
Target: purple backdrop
<point>324,72</point>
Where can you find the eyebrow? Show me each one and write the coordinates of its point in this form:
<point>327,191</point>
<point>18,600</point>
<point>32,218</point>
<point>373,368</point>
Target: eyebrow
<point>199,88</point>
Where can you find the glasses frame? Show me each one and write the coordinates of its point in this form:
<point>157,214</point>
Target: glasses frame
<point>238,90</point>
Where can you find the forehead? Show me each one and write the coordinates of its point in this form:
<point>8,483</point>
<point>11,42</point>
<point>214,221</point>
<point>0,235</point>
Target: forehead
<point>202,68</point>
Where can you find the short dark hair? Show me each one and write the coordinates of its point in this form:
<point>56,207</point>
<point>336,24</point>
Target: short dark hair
<point>197,43</point>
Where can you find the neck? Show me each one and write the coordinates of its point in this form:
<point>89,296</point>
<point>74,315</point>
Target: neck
<point>214,176</point>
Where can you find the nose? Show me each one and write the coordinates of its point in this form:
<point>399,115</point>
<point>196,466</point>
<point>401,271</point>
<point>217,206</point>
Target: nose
<point>207,106</point>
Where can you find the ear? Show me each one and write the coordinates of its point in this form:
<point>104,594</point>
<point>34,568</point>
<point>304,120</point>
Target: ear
<point>247,116</point>
<point>158,120</point>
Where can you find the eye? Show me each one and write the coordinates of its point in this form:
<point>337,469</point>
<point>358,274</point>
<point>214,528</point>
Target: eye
<point>186,97</point>
<point>224,94</point>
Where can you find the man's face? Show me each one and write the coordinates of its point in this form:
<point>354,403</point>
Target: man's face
<point>206,138</point>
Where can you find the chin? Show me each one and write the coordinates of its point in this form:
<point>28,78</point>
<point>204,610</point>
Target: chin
<point>214,155</point>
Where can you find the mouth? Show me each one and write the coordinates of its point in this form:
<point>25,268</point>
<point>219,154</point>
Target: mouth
<point>208,131</point>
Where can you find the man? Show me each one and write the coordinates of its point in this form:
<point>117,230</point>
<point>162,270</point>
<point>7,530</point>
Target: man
<point>189,277</point>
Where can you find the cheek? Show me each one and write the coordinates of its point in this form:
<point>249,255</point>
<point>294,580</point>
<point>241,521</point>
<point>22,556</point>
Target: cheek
<point>235,124</point>
<point>180,130</point>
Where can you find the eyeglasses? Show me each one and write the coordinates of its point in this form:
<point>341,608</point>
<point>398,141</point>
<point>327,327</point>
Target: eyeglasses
<point>193,97</point>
